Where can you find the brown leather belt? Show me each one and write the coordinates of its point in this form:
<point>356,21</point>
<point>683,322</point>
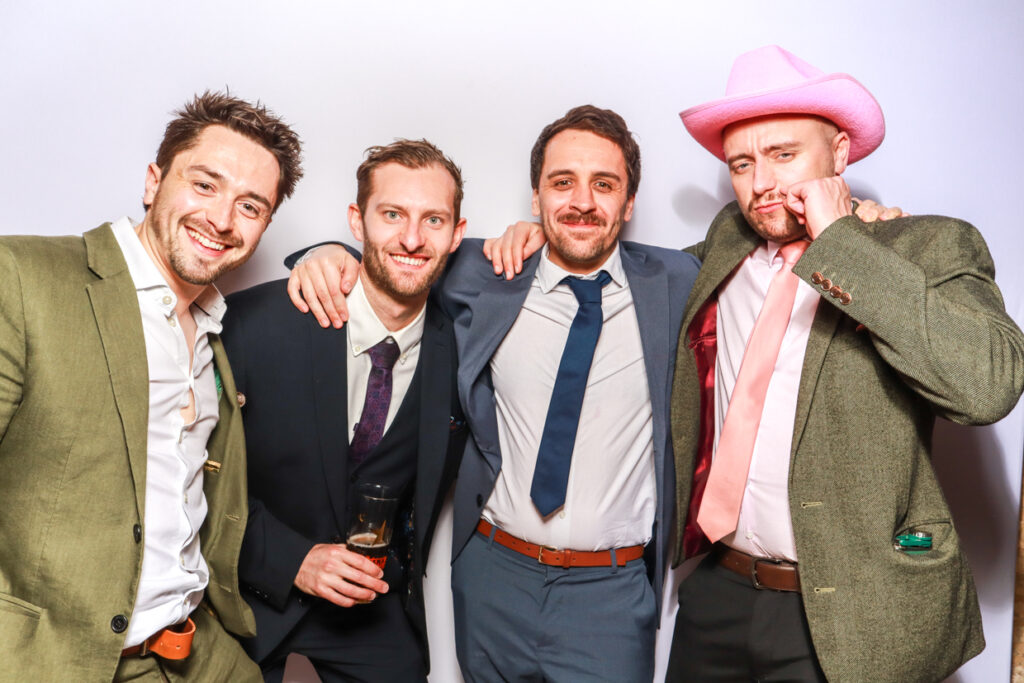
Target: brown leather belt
<point>561,558</point>
<point>167,643</point>
<point>776,575</point>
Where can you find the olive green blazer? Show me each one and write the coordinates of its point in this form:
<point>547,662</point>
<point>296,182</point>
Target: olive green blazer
<point>74,399</point>
<point>924,332</point>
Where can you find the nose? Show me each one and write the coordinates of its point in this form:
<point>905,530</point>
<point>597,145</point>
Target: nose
<point>219,214</point>
<point>582,199</point>
<point>411,237</point>
<point>764,178</point>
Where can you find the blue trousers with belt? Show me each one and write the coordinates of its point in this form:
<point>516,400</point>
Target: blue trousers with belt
<point>519,620</point>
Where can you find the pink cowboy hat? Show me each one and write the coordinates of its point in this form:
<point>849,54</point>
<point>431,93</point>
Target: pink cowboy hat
<point>770,80</point>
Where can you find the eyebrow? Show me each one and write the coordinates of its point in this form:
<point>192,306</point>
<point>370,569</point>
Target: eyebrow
<point>774,147</point>
<point>597,174</point>
<point>216,175</point>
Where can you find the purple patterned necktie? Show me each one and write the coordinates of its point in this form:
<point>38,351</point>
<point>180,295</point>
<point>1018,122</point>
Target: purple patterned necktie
<point>370,427</point>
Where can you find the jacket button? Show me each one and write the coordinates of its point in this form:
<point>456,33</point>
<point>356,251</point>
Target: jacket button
<point>845,298</point>
<point>119,623</point>
<point>816,277</point>
<point>826,284</point>
<point>479,500</point>
<point>835,291</point>
<point>137,533</point>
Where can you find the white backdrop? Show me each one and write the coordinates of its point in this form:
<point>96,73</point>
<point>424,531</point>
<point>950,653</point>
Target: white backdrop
<point>86,89</point>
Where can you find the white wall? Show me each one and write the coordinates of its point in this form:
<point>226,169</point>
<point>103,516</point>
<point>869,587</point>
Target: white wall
<point>85,90</point>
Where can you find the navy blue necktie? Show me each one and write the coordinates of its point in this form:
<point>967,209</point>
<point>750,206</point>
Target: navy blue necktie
<point>554,457</point>
<point>370,427</point>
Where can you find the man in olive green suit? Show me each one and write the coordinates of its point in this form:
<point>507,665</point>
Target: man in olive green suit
<point>121,446</point>
<point>838,559</point>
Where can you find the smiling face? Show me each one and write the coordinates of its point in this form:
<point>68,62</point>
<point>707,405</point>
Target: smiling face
<point>581,199</point>
<point>767,155</point>
<point>408,230</point>
<point>207,213</point>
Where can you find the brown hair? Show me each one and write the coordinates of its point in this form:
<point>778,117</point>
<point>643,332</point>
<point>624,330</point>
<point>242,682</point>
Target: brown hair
<point>255,122</point>
<point>408,153</point>
<point>603,122</point>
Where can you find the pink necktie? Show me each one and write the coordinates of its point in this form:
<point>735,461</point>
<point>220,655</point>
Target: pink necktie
<point>720,507</point>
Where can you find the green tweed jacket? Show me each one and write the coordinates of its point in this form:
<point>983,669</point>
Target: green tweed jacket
<point>74,399</point>
<point>923,332</point>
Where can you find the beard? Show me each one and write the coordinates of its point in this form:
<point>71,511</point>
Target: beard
<point>583,251</point>
<point>779,228</point>
<point>184,263</point>
<point>399,285</point>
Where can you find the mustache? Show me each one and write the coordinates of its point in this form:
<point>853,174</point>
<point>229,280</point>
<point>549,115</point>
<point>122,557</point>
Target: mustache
<point>585,218</point>
<point>766,199</point>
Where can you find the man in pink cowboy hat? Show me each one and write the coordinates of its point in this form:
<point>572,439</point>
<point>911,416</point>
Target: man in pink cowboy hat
<point>815,352</point>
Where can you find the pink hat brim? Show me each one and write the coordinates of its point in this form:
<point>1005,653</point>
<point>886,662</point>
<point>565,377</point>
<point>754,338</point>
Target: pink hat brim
<point>837,97</point>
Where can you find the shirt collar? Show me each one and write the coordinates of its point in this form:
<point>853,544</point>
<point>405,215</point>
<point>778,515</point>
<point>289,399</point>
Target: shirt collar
<point>365,329</point>
<point>149,282</point>
<point>549,275</point>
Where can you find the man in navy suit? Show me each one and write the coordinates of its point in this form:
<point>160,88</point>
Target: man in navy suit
<point>562,593</point>
<point>311,392</point>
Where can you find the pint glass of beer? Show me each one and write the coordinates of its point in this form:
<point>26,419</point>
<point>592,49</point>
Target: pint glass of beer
<point>371,528</point>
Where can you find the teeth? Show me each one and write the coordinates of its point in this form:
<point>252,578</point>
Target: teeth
<point>206,242</point>
<point>408,260</point>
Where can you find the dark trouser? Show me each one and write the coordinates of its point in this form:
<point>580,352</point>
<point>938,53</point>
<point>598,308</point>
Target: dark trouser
<point>518,620</point>
<point>729,631</point>
<point>372,643</point>
<point>216,657</point>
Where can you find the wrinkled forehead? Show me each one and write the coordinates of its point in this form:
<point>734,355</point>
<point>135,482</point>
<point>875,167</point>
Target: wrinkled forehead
<point>777,128</point>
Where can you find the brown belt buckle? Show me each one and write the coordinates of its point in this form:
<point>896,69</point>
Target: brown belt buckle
<point>540,552</point>
<point>753,571</point>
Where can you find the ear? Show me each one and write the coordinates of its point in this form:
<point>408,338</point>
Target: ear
<point>628,212</point>
<point>355,221</point>
<point>841,151</point>
<point>458,234</point>
<point>153,176</point>
<point>535,203</point>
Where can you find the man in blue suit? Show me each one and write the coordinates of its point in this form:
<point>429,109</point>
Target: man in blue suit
<point>562,496</point>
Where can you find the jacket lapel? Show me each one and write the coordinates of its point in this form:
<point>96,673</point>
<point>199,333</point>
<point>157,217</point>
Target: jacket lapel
<point>115,306</point>
<point>435,364</point>
<point>329,368</point>
<point>494,311</point>
<point>730,245</point>
<point>826,320</point>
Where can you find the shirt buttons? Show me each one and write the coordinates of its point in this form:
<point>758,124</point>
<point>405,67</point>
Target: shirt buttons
<point>357,348</point>
<point>166,300</point>
<point>561,515</point>
<point>750,535</point>
<point>172,322</point>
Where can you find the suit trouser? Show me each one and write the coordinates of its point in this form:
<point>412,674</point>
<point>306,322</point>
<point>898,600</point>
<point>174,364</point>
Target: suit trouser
<point>729,631</point>
<point>373,643</point>
<point>518,620</point>
<point>216,657</point>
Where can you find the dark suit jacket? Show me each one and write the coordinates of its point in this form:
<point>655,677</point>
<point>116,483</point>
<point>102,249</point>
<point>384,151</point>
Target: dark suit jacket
<point>293,375</point>
<point>74,399</point>
<point>924,333</point>
<point>484,307</point>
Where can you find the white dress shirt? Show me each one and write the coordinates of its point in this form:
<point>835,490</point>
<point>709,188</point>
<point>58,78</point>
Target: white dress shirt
<point>611,495</point>
<point>765,528</point>
<point>174,573</point>
<point>365,330</point>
